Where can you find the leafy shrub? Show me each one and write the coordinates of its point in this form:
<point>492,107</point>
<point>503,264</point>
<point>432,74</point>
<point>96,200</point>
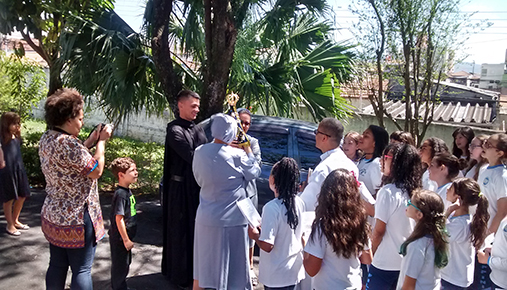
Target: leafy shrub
<point>149,158</point>
<point>30,154</point>
<point>22,83</point>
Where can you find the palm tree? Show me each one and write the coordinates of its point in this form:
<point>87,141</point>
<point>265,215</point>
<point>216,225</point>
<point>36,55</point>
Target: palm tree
<point>282,59</point>
<point>303,67</point>
<point>104,57</point>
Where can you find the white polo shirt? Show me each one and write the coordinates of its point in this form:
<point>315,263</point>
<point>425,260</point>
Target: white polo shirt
<point>493,183</point>
<point>460,269</point>
<point>370,174</point>
<point>331,160</point>
<point>390,208</point>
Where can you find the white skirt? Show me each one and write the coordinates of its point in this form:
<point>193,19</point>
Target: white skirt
<point>221,257</point>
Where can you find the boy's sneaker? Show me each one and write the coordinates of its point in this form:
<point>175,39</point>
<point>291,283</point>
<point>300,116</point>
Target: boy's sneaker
<point>253,278</point>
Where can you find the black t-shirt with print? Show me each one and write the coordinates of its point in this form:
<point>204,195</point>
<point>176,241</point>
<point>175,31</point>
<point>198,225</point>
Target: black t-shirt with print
<point>123,204</point>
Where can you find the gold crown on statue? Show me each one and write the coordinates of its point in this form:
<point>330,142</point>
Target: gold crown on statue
<point>241,137</point>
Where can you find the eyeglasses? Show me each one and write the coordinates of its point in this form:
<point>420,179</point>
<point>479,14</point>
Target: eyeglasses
<point>387,157</point>
<point>409,203</point>
<point>488,145</point>
<point>316,131</point>
<point>472,146</point>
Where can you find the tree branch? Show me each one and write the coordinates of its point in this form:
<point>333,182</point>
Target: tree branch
<point>38,49</point>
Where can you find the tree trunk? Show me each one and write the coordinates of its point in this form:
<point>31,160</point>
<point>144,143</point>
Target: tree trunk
<point>408,89</point>
<point>170,83</point>
<point>221,35</point>
<point>380,53</point>
<point>55,81</point>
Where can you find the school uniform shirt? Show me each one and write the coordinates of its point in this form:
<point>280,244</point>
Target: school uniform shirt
<point>390,208</point>
<point>493,183</point>
<point>283,266</point>
<point>336,271</point>
<point>330,160</point>
<point>442,191</point>
<point>498,260</point>
<point>460,269</point>
<point>427,183</point>
<point>370,174</point>
<point>419,263</point>
<point>473,170</point>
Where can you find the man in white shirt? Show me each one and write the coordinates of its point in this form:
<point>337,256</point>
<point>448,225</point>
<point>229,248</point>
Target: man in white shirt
<point>327,139</point>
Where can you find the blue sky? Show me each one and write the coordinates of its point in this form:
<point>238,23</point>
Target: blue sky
<point>488,46</point>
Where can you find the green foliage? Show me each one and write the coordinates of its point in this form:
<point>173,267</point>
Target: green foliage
<point>106,58</point>
<point>41,23</point>
<point>22,84</point>
<point>415,43</point>
<point>31,160</point>
<point>298,65</point>
<point>149,158</point>
<point>283,59</point>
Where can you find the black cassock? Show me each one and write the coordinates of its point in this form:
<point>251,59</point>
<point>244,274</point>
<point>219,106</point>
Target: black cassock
<point>180,200</point>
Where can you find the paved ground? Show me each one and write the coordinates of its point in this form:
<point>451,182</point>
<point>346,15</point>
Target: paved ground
<point>24,259</point>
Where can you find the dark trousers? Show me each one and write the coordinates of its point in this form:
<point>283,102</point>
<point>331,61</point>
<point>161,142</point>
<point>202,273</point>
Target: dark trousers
<point>120,264</point>
<point>79,260</point>
<point>448,286</point>
<point>481,277</point>
<point>381,279</point>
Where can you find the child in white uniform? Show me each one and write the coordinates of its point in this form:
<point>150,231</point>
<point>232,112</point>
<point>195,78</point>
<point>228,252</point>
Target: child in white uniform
<point>350,146</point>
<point>443,169</point>
<point>493,180</point>
<point>430,147</point>
<point>477,161</point>
<point>425,251</point>
<point>465,234</point>
<point>496,257</point>
<point>339,239</point>
<point>281,255</point>
<point>463,137</point>
<point>373,142</point>
<point>401,166</point>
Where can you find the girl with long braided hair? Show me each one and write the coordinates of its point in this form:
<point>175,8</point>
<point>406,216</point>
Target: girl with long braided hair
<point>425,251</point>
<point>281,255</point>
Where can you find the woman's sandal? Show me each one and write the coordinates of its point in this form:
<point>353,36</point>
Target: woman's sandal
<point>15,233</point>
<point>22,227</point>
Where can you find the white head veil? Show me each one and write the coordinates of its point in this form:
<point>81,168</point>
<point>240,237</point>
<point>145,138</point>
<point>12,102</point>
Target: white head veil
<point>223,127</point>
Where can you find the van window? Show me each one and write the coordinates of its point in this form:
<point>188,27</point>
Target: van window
<point>309,155</point>
<point>274,145</point>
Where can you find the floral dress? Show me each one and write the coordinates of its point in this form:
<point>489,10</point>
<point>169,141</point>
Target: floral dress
<point>66,163</point>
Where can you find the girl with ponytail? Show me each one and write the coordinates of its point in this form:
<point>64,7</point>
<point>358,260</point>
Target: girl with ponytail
<point>425,251</point>
<point>443,169</point>
<point>281,255</point>
<point>466,233</point>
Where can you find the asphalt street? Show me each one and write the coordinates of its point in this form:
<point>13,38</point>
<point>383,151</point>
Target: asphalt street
<point>24,259</point>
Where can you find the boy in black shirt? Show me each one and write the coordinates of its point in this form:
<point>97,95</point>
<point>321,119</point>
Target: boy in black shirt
<point>123,221</point>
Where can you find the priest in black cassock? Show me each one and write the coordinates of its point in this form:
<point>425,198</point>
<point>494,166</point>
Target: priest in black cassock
<point>180,191</point>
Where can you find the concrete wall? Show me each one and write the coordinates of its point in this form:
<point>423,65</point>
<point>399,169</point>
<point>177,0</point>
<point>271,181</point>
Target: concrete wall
<point>153,129</point>
<point>140,127</point>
